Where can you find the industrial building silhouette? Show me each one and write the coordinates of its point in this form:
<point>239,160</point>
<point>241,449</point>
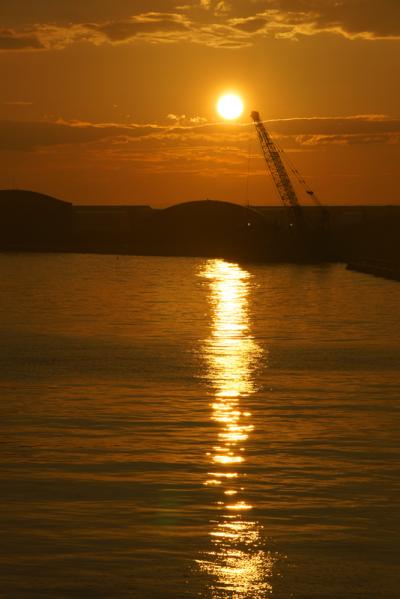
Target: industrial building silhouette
<point>32,221</point>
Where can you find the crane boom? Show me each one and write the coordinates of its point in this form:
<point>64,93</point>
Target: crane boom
<point>278,172</point>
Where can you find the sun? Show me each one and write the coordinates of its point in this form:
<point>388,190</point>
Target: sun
<point>230,106</point>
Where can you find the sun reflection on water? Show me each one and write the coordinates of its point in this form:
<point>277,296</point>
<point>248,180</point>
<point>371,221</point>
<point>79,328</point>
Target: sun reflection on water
<point>236,562</point>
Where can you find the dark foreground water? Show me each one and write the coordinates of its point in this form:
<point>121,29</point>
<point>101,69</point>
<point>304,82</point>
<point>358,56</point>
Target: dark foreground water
<point>182,428</point>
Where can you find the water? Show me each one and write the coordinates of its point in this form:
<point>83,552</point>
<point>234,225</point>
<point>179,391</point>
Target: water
<point>183,428</point>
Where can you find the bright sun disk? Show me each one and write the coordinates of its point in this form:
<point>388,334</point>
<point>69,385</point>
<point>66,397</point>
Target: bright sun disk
<point>230,106</point>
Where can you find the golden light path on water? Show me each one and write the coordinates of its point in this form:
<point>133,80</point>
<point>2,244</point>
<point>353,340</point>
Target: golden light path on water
<point>236,562</point>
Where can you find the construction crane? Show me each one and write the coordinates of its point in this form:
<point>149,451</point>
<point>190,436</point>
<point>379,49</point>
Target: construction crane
<point>278,172</point>
<point>313,241</point>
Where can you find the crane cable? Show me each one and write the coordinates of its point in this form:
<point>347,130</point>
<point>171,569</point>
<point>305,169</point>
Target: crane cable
<point>246,193</point>
<point>324,214</point>
<point>298,175</point>
<point>291,166</point>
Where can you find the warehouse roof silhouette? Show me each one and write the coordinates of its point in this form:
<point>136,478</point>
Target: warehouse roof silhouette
<point>21,198</point>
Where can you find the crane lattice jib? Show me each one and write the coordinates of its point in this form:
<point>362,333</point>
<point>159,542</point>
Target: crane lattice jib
<point>277,170</point>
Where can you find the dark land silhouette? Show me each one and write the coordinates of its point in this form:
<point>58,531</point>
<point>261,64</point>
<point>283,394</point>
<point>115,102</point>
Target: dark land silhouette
<point>367,237</point>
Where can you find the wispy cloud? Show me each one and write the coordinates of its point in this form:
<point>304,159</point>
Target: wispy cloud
<point>194,135</point>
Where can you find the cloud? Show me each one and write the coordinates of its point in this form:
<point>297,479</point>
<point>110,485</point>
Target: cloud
<point>11,40</point>
<point>61,13</point>
<point>351,18</point>
<point>351,125</point>
<point>193,132</point>
<point>182,119</point>
<point>250,25</point>
<point>204,150</point>
<point>367,19</point>
<point>149,23</point>
<point>349,139</point>
<point>154,28</point>
<point>216,23</point>
<point>27,136</point>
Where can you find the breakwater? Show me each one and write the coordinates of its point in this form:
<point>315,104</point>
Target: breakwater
<point>387,270</point>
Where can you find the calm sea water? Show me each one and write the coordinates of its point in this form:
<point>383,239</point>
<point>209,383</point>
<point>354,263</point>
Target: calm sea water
<point>182,428</point>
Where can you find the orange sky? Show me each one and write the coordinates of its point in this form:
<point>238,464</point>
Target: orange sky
<point>114,102</point>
